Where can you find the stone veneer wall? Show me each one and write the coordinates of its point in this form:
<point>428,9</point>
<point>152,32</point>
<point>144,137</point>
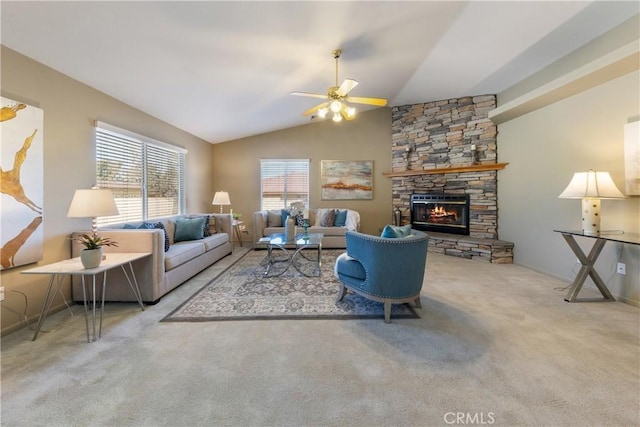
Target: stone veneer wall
<point>440,134</point>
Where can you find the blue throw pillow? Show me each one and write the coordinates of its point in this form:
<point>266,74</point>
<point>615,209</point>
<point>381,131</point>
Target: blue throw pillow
<point>189,229</point>
<point>394,232</point>
<point>340,219</point>
<point>129,227</point>
<point>284,214</point>
<point>205,228</point>
<point>158,225</point>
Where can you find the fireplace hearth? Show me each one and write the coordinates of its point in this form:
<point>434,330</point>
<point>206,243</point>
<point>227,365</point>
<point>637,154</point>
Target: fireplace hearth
<point>443,213</point>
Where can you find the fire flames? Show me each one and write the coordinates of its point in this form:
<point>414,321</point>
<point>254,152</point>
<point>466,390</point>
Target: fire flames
<point>440,215</point>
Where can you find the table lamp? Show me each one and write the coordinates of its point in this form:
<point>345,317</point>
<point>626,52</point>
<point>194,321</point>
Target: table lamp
<point>92,203</point>
<point>221,198</point>
<point>591,186</point>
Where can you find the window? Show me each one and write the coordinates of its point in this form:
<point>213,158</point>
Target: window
<point>145,176</point>
<point>283,182</point>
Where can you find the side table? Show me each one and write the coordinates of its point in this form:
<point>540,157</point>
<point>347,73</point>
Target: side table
<point>238,228</point>
<point>73,267</point>
<point>588,269</point>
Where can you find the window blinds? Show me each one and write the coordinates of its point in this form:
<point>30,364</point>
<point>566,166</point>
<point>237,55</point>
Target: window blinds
<point>145,176</point>
<point>284,182</point>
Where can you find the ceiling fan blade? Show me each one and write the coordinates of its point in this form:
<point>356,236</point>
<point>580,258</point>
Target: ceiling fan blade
<point>314,109</point>
<point>346,87</point>
<point>312,95</point>
<point>370,101</point>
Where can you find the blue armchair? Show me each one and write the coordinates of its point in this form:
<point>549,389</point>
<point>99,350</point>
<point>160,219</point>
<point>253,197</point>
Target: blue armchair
<point>389,270</point>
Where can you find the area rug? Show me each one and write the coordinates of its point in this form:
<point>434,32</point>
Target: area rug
<point>242,292</point>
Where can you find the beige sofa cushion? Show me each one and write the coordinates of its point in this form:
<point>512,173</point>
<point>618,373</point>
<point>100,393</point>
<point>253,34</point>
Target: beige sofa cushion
<point>214,241</point>
<point>181,252</point>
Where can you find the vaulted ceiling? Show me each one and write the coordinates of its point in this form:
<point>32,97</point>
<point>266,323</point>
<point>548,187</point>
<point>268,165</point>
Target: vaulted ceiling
<point>224,70</point>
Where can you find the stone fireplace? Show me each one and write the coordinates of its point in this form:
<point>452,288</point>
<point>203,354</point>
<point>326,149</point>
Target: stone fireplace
<point>448,149</point>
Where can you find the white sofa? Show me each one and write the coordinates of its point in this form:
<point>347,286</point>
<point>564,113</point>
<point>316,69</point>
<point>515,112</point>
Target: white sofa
<point>266,223</point>
<point>162,271</point>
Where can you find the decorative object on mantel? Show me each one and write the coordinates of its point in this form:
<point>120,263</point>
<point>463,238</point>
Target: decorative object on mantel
<point>409,147</point>
<point>92,203</point>
<point>455,169</point>
<point>221,198</point>
<point>591,186</point>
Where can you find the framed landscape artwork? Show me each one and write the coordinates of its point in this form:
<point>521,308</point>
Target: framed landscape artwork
<point>21,183</point>
<point>346,179</point>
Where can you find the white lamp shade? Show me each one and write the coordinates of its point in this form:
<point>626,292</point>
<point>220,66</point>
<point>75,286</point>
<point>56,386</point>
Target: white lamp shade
<point>92,203</point>
<point>596,185</point>
<point>221,198</point>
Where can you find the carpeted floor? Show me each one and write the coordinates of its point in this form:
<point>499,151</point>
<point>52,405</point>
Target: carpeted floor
<point>494,343</point>
<point>297,291</point>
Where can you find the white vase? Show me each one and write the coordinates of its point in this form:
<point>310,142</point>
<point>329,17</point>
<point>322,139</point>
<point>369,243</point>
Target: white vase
<point>290,229</point>
<point>91,258</point>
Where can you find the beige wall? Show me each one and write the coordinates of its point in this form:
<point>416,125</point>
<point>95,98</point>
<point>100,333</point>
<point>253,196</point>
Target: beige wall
<point>237,163</point>
<point>544,148</point>
<point>70,109</point>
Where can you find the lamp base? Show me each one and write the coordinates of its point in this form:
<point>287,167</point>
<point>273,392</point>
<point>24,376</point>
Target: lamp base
<point>591,216</point>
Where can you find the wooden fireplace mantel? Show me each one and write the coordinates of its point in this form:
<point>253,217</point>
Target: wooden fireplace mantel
<point>455,169</point>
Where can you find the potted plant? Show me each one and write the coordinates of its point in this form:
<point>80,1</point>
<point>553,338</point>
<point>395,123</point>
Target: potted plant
<point>91,255</point>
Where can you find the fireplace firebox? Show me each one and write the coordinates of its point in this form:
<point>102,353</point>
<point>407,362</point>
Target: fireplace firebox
<point>443,213</point>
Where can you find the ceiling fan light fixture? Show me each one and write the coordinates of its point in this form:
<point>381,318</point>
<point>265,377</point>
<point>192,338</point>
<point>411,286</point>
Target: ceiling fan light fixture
<point>337,99</point>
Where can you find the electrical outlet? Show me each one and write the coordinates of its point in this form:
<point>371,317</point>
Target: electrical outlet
<point>1,293</point>
<point>621,268</point>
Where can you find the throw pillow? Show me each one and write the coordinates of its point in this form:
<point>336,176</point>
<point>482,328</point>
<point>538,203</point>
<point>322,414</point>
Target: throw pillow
<point>158,225</point>
<point>189,229</point>
<point>283,215</point>
<point>129,227</point>
<point>326,220</point>
<point>299,220</point>
<point>394,232</point>
<point>206,231</point>
<point>340,219</point>
<point>274,219</point>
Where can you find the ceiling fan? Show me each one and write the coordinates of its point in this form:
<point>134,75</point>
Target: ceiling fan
<point>337,98</point>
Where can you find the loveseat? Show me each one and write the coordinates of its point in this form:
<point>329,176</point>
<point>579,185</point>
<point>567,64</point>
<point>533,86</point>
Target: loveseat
<point>334,227</point>
<point>166,269</point>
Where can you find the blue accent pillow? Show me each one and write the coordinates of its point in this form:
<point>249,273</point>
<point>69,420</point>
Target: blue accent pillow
<point>284,214</point>
<point>189,229</point>
<point>129,227</point>
<point>158,225</point>
<point>340,219</point>
<point>205,228</point>
<point>394,231</point>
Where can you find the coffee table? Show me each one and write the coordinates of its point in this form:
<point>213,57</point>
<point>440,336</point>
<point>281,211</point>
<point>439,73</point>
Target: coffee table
<point>291,250</point>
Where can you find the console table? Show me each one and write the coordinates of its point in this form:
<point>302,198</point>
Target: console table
<point>73,267</point>
<point>588,262</point>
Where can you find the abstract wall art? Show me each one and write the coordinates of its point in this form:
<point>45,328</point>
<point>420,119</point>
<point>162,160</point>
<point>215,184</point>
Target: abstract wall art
<point>21,183</point>
<point>347,179</point>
